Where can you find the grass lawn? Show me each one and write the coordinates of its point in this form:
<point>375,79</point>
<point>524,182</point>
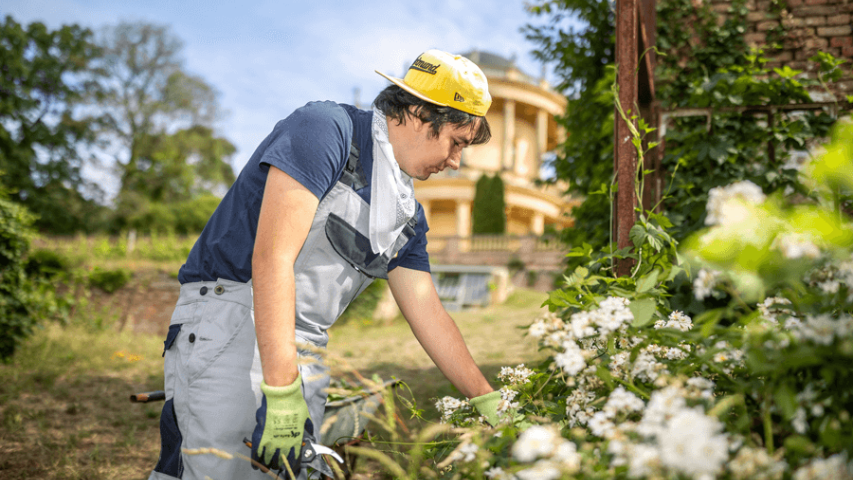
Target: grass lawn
<point>64,397</point>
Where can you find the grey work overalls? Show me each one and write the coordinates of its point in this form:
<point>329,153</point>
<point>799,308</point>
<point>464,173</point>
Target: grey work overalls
<point>212,367</point>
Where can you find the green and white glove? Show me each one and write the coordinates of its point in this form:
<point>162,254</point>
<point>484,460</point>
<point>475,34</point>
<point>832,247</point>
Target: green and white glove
<point>282,421</point>
<point>487,405</point>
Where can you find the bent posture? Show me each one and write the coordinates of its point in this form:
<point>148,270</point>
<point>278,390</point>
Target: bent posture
<point>325,205</point>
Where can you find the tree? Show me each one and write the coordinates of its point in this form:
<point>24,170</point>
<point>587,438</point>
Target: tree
<point>489,207</point>
<point>41,84</point>
<point>174,172</point>
<point>582,60</point>
<point>158,116</point>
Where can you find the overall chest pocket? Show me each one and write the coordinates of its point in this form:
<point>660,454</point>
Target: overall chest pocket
<point>354,247</point>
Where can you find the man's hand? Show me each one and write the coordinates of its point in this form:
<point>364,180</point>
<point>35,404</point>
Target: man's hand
<point>487,405</point>
<point>282,422</point>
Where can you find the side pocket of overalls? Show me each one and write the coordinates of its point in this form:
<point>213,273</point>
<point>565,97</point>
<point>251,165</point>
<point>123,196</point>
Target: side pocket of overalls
<point>170,461</point>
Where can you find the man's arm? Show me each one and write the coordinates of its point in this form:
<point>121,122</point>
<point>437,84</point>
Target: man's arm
<point>435,330</point>
<point>287,212</point>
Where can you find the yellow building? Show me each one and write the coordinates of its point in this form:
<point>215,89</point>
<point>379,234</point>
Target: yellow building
<point>523,130</point>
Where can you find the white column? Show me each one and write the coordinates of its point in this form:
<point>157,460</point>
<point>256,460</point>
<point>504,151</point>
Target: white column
<point>508,148</point>
<point>541,135</point>
<point>538,224</point>
<point>463,218</point>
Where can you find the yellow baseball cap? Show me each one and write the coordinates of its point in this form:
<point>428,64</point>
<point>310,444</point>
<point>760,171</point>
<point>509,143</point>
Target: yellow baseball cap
<point>447,80</point>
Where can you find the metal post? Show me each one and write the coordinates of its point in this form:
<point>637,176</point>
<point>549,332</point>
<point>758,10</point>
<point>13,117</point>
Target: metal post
<point>625,155</point>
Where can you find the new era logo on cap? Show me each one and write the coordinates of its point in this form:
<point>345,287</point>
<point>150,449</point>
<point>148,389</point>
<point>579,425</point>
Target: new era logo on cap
<point>458,98</point>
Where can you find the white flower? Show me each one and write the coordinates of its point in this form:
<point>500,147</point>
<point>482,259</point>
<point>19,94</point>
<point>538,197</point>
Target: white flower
<point>799,421</point>
<point>679,321</point>
<point>646,368</point>
<point>692,443</point>
<point>643,460</point>
<point>756,464</point>
<point>496,473</point>
<point>700,387</point>
<point>581,325</point>
<point>447,405</point>
<point>515,376</point>
<point>769,308</point>
<point>621,400</point>
<point>662,405</point>
<point>467,452</point>
<point>795,246</point>
<point>541,471</point>
<point>538,330</point>
<point>832,468</point>
<point>537,441</point>
<point>571,360</point>
<point>600,425</point>
<point>704,283</point>
<point>728,205</point>
<point>567,454</point>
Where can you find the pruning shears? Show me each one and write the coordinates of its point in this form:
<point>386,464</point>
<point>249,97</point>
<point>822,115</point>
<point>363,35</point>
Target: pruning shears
<point>309,451</point>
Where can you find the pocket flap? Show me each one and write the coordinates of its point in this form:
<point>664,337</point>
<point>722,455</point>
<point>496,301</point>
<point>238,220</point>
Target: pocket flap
<point>171,336</point>
<point>354,247</point>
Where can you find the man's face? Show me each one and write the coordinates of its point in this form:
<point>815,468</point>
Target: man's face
<point>423,154</point>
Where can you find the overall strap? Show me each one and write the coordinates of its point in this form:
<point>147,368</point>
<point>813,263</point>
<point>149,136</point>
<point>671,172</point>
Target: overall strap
<point>353,174</point>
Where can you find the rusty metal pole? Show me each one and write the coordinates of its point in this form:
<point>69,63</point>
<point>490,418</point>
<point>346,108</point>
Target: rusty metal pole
<point>625,155</point>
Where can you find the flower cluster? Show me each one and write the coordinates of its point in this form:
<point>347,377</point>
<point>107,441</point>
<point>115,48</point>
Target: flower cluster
<point>673,438</point>
<point>447,406</point>
<point>726,205</point>
<point>555,454</point>
<point>515,376</point>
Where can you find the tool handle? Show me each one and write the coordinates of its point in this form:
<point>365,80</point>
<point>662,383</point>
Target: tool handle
<point>146,397</point>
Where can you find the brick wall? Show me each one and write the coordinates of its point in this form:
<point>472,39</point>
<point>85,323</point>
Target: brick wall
<point>802,27</point>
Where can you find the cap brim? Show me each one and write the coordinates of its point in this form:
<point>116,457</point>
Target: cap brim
<point>402,84</point>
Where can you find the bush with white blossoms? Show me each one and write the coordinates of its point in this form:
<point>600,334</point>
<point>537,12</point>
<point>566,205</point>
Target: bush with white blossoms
<point>756,385</point>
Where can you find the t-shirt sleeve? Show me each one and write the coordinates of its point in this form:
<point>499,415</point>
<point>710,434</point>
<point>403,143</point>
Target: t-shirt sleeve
<point>414,254</point>
<point>311,145</point>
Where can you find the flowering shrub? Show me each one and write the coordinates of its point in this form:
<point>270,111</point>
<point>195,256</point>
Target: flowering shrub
<point>761,387</point>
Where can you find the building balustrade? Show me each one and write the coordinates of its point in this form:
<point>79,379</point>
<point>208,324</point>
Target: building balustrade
<point>544,253</point>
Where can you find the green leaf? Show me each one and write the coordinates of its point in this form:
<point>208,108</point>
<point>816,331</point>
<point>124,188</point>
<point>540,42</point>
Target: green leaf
<point>577,277</point>
<point>709,319</point>
<point>799,444</point>
<point>643,310</point>
<point>648,282</point>
<point>786,400</point>
<point>637,234</point>
<point>605,376</point>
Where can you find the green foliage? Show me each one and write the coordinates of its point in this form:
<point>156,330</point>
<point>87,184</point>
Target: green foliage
<point>583,60</point>
<point>764,389</point>
<point>109,280</point>
<point>44,263</point>
<point>361,309</point>
<point>23,301</point>
<point>171,186</point>
<point>707,65</point>
<point>183,217</point>
<point>160,171</point>
<point>40,132</point>
<point>489,206</point>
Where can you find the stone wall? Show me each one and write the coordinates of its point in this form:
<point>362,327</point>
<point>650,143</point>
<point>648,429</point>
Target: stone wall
<point>802,27</point>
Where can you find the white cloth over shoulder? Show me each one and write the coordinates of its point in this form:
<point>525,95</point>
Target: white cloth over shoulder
<point>392,195</point>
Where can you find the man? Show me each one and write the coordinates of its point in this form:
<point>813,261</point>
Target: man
<point>325,204</point>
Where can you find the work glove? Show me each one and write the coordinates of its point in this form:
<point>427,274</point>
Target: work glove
<point>487,405</point>
<point>282,422</point>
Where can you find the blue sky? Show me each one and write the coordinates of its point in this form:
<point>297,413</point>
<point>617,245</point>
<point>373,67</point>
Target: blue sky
<point>267,58</point>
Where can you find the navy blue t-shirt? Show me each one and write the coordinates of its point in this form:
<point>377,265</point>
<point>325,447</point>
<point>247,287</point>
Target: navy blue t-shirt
<point>312,146</point>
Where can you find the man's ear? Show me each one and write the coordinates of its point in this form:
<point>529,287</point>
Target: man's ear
<point>414,117</point>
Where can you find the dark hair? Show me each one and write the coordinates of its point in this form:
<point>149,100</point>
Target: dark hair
<point>397,104</point>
